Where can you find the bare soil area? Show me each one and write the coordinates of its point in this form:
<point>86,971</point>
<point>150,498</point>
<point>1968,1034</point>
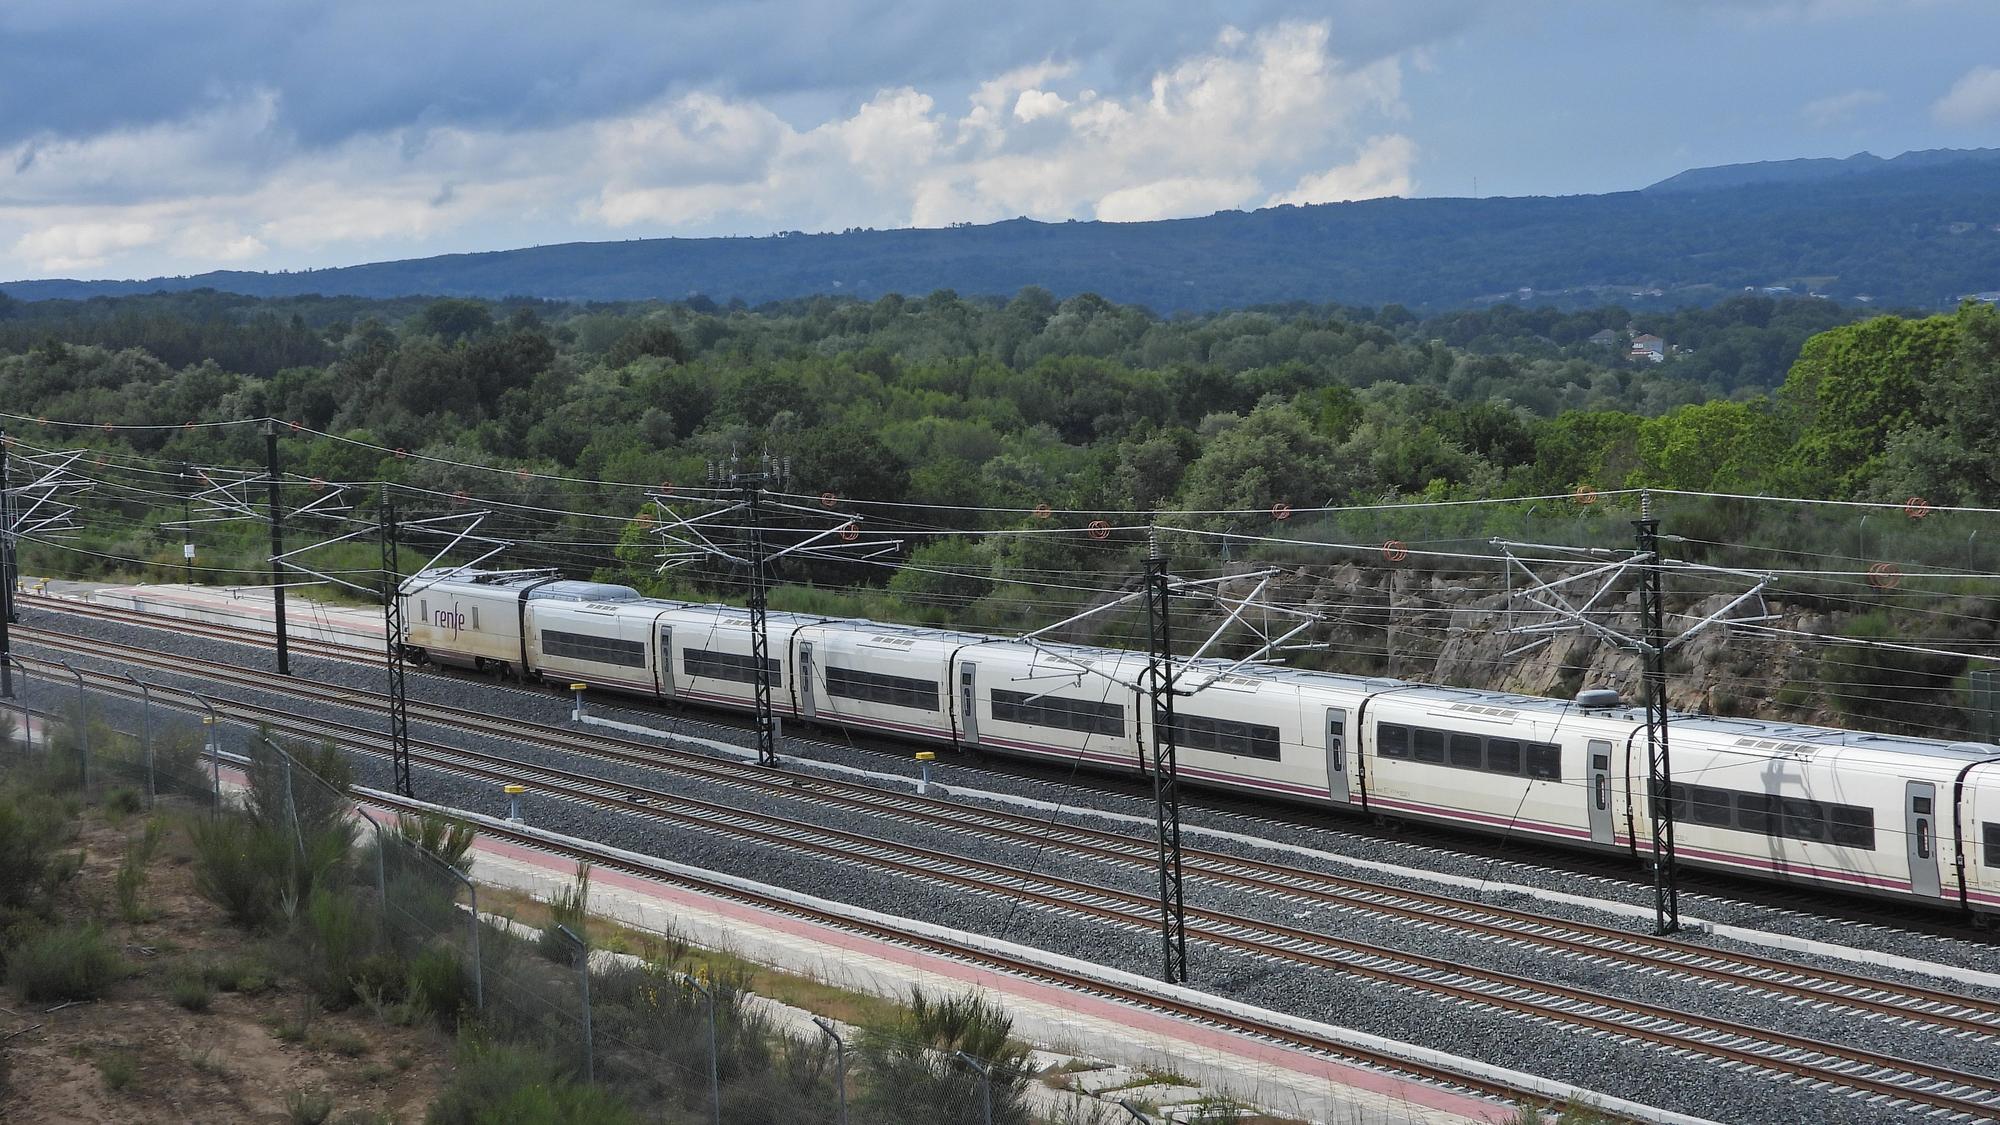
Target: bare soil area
<point>262,1052</point>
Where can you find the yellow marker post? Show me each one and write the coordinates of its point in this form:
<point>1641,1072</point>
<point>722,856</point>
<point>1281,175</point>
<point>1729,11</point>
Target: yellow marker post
<point>514,802</point>
<point>924,759</point>
<point>576,716</point>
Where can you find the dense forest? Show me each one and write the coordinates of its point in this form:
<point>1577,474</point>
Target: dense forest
<point>940,400</point>
<point>1917,233</point>
<point>942,417</point>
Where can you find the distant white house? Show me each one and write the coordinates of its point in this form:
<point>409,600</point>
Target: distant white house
<point>1648,347</point>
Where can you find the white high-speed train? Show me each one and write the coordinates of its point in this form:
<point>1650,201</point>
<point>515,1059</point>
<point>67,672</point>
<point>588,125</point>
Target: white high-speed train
<point>1882,815</point>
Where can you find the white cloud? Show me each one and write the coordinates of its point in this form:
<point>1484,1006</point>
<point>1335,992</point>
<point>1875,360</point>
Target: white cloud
<point>1033,105</point>
<point>1267,115</point>
<point>81,246</point>
<point>1838,109</point>
<point>1973,100</point>
<point>1382,168</point>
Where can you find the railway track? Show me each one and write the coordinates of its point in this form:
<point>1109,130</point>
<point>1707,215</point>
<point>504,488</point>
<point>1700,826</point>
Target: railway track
<point>1881,1080</point>
<point>1609,871</point>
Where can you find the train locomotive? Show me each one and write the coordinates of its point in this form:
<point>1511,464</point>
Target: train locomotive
<point>1888,816</point>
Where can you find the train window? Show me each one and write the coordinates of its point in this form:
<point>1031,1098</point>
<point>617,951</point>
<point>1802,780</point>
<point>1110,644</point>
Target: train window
<point>1055,711</point>
<point>1466,752</point>
<point>597,650</point>
<point>1503,755</point>
<point>1677,801</point>
<point>1757,812</point>
<point>1853,827</point>
<point>1427,746</point>
<point>475,617</point>
<point>1545,761</point>
<point>1225,736</point>
<point>1992,831</point>
<point>1711,807</point>
<point>1393,742</point>
<point>874,687</point>
<point>737,667</point>
<point>1920,806</point>
<point>1803,819</point>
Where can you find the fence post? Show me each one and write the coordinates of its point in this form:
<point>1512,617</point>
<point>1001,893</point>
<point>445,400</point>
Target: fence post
<point>146,733</point>
<point>82,723</point>
<point>291,804</point>
<point>985,1081</point>
<point>381,875</point>
<point>21,697</point>
<point>839,1063</point>
<point>212,726</point>
<point>583,975</point>
<point>478,966</point>
<point>714,1063</point>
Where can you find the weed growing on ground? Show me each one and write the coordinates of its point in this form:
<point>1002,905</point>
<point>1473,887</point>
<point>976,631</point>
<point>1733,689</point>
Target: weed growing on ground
<point>308,1107</point>
<point>64,963</point>
<point>190,990</point>
<point>130,882</point>
<point>118,1069</point>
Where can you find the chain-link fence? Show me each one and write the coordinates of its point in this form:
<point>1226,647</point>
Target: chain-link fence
<point>378,910</point>
<point>136,752</point>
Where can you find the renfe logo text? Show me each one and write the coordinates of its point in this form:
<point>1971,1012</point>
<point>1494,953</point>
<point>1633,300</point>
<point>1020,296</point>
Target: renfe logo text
<point>450,619</point>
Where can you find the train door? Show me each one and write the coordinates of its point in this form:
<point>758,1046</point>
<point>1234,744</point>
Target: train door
<point>1336,754</point>
<point>1920,819</point>
<point>1600,792</point>
<point>968,705</point>
<point>666,662</point>
<point>807,707</point>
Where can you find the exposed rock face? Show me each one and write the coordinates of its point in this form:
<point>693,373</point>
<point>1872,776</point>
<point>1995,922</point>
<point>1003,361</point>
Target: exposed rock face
<point>1475,632</point>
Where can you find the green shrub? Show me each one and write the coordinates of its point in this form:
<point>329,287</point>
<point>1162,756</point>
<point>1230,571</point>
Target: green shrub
<point>238,865</point>
<point>494,1082</point>
<point>383,978</point>
<point>449,839</point>
<point>33,867</point>
<point>568,910</point>
<point>123,801</point>
<point>914,1072</point>
<point>70,963</point>
<point>132,872</point>
<point>190,990</point>
<point>118,1069</point>
<point>440,985</point>
<point>239,974</point>
<point>308,1107</point>
<point>338,934</point>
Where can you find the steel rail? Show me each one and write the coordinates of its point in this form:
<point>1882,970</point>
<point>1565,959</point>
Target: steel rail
<point>1944,1010</point>
<point>1876,1076</point>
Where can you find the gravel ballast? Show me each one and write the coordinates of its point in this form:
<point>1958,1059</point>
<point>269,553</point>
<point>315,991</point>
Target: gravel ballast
<point>1689,1085</point>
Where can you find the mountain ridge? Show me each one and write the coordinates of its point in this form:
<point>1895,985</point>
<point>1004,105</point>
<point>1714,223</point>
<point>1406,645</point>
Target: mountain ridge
<point>1916,232</point>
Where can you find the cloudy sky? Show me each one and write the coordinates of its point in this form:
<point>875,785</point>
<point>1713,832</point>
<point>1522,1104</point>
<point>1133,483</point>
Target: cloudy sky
<point>148,138</point>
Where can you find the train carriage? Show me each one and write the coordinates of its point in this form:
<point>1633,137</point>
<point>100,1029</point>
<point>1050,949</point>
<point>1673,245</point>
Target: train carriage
<point>892,678</point>
<point>1049,701</point>
<point>709,658</point>
<point>1501,763</point>
<point>1876,814</point>
<point>1260,730</point>
<point>1809,804</point>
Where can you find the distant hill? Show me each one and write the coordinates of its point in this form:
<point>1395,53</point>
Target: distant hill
<point>1820,168</point>
<point>1914,231</point>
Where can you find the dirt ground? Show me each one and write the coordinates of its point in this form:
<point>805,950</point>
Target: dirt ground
<point>136,1056</point>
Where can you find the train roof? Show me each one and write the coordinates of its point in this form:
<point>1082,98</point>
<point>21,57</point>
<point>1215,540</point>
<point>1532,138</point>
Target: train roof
<point>1799,740</point>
